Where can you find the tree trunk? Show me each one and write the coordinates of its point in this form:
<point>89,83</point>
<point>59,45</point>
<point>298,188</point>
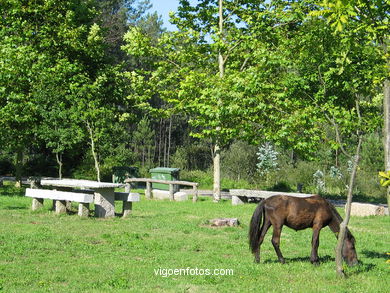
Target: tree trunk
<point>165,146</point>
<point>386,106</point>
<point>19,167</point>
<point>169,141</point>
<point>344,223</point>
<point>217,173</point>
<point>386,112</point>
<point>59,162</point>
<point>217,149</point>
<point>94,153</point>
<point>159,142</point>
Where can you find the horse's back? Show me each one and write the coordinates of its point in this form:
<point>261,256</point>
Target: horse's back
<point>298,212</point>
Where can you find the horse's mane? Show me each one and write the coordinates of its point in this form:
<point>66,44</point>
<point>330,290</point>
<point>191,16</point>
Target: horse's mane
<point>335,213</point>
<point>339,219</point>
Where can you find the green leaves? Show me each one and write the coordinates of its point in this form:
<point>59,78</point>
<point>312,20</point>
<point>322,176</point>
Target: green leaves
<point>385,178</point>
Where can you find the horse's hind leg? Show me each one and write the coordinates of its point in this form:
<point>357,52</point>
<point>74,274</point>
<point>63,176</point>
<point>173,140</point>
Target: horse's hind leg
<point>264,230</point>
<point>276,242</point>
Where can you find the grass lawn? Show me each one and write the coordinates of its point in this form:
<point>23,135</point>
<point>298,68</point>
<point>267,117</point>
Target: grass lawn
<point>43,252</point>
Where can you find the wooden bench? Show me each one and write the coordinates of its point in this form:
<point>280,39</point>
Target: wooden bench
<point>171,183</point>
<point>83,197</point>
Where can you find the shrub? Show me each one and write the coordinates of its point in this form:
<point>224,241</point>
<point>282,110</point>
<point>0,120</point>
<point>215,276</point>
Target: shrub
<point>239,161</point>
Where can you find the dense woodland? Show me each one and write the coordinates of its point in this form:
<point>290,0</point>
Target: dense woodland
<point>280,92</point>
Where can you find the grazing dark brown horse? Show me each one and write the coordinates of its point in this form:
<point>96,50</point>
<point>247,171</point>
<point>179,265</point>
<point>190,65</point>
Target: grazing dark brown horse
<point>297,213</point>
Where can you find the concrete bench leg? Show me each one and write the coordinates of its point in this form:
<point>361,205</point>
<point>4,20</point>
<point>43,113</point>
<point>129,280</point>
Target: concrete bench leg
<point>127,208</point>
<point>37,203</point>
<point>83,209</point>
<point>68,206</point>
<point>61,207</point>
<point>237,200</point>
<point>104,203</point>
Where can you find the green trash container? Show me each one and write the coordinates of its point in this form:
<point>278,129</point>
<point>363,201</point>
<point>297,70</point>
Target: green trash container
<point>119,174</point>
<point>165,174</point>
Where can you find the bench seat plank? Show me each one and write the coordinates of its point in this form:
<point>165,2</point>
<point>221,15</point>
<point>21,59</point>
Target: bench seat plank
<point>59,195</point>
<point>125,196</point>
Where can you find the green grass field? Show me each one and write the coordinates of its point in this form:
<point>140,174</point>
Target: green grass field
<point>43,252</point>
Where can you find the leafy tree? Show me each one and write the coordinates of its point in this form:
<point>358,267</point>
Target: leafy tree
<point>371,18</point>
<point>115,17</point>
<point>34,36</point>
<point>367,22</point>
<point>186,76</point>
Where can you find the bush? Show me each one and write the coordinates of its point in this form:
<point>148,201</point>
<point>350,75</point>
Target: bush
<point>302,173</point>
<point>239,161</point>
<point>6,167</point>
<point>195,156</point>
<point>204,178</point>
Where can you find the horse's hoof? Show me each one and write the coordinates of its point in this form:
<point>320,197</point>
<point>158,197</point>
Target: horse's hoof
<point>282,261</point>
<point>315,261</point>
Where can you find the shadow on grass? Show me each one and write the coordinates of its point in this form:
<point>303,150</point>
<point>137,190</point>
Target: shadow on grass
<point>361,268</point>
<point>11,191</point>
<point>375,254</point>
<point>353,270</point>
<point>323,259</point>
<point>15,208</point>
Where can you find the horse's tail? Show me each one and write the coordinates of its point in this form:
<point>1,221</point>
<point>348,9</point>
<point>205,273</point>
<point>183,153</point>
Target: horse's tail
<point>255,227</point>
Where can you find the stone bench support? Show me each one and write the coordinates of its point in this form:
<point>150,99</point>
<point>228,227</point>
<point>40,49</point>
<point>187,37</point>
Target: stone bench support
<point>60,198</point>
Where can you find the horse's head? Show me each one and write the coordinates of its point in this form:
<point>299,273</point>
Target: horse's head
<point>349,252</point>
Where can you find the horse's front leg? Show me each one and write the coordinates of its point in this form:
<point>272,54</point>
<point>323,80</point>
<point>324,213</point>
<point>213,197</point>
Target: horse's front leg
<point>276,242</point>
<point>315,242</point>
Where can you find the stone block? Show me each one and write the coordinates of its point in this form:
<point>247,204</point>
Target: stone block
<point>365,209</point>
<point>220,222</point>
<point>180,196</point>
<point>237,200</point>
<point>37,203</point>
<point>83,209</point>
<point>104,203</point>
<point>61,207</point>
<point>164,194</point>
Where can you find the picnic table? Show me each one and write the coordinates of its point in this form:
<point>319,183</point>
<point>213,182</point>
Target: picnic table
<point>102,194</point>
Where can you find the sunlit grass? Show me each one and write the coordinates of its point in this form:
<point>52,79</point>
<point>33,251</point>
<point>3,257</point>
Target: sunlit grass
<point>41,251</point>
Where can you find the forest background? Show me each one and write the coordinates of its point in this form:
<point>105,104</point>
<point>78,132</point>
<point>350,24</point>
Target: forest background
<point>281,91</point>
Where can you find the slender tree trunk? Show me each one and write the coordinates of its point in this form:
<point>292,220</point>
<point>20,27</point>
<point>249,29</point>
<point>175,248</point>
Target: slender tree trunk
<point>165,146</point>
<point>94,152</point>
<point>59,162</point>
<point>217,173</point>
<point>159,142</point>
<point>344,223</point>
<point>386,112</point>
<point>217,148</point>
<point>19,166</point>
<point>386,106</point>
<point>169,140</point>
